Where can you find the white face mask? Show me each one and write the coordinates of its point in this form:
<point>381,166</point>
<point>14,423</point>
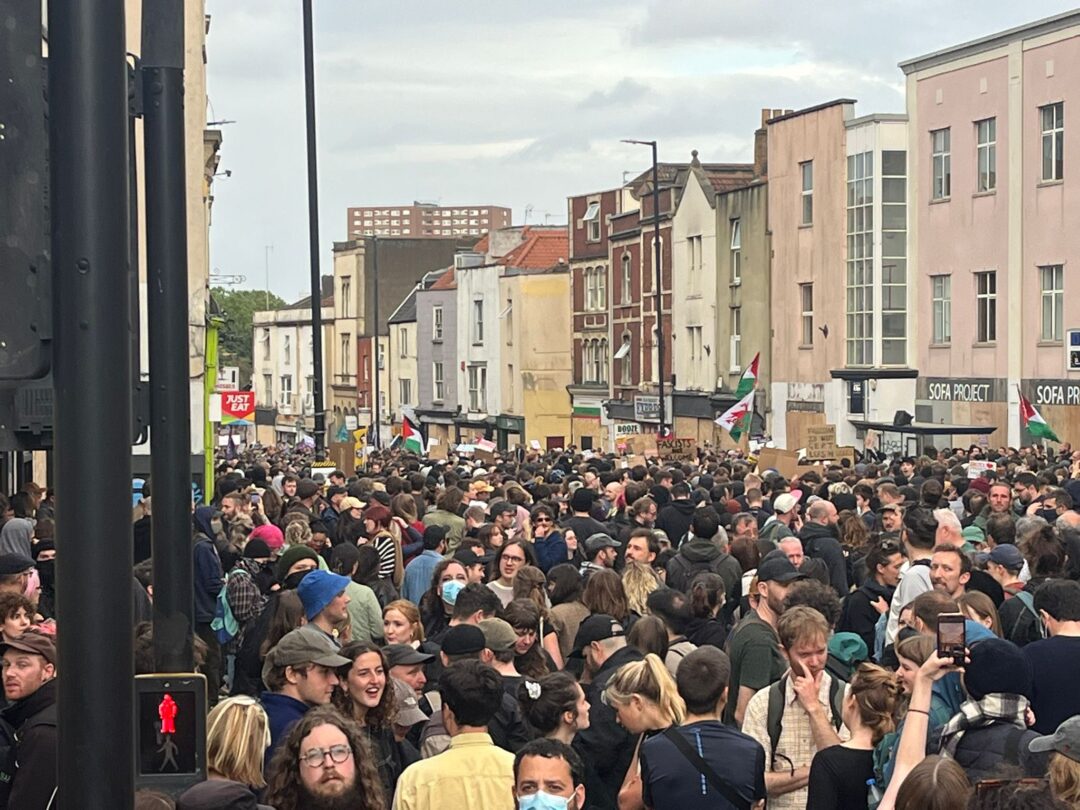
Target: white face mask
<point>542,801</point>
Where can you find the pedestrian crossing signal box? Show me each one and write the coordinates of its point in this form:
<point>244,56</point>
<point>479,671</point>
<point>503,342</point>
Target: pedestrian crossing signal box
<point>170,731</point>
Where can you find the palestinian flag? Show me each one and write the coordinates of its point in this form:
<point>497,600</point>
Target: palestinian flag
<point>739,414</point>
<point>1032,420</point>
<point>747,383</point>
<point>411,435</point>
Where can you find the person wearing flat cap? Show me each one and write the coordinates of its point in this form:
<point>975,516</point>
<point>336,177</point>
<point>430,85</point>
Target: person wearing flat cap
<point>29,672</point>
<point>300,671</point>
<point>600,553</point>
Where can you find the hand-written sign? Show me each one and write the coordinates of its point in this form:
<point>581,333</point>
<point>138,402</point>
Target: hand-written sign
<point>821,441</point>
<point>669,447</point>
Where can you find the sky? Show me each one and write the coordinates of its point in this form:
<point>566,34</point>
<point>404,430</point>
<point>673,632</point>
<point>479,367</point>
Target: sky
<point>524,104</point>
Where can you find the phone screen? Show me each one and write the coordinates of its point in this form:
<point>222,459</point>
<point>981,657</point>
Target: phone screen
<point>951,635</point>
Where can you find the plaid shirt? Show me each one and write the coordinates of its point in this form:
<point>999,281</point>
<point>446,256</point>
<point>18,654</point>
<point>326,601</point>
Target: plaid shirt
<point>245,601</point>
<point>796,743</point>
<point>993,708</point>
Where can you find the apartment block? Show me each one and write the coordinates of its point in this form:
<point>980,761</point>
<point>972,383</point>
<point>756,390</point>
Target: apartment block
<point>424,220</point>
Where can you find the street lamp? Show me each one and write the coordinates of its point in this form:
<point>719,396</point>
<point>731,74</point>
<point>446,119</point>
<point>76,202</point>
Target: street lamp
<point>656,264</point>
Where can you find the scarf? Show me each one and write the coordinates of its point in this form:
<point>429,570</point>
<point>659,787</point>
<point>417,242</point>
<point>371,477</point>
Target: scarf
<point>993,708</point>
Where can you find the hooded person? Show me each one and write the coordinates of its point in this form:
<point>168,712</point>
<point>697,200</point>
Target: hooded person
<point>208,582</point>
<point>294,564</point>
<point>706,551</point>
<point>675,518</point>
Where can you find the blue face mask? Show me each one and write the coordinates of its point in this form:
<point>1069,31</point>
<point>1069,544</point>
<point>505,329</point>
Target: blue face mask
<point>450,590</point>
<point>542,801</point>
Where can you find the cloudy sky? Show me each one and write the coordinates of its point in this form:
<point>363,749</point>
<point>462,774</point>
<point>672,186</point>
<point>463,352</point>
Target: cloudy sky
<point>523,104</point>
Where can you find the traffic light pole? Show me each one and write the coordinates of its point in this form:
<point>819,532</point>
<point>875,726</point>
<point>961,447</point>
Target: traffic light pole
<point>88,109</point>
<point>167,321</point>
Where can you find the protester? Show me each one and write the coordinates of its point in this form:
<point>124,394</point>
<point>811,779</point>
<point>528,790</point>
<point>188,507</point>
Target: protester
<point>548,774</point>
<point>1055,661</point>
<point>29,731</point>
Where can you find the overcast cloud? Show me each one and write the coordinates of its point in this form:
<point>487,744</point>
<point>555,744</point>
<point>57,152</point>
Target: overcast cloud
<point>524,104</point>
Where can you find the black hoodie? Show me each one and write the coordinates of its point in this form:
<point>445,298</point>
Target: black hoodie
<point>821,542</point>
<point>704,555</point>
<point>675,519</point>
<point>859,614</point>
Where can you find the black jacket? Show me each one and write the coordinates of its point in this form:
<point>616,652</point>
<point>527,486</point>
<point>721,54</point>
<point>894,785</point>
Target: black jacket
<point>984,752</point>
<point>821,542</point>
<point>704,555</point>
<point>859,615</point>
<point>605,742</point>
<point>34,720</point>
<point>1018,624</point>
<point>675,519</point>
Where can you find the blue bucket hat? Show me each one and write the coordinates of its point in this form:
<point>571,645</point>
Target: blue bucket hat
<point>318,589</point>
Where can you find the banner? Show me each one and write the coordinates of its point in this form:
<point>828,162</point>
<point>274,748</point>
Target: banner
<point>237,407</point>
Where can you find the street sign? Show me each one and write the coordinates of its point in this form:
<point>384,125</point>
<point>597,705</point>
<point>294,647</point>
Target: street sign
<point>170,731</point>
<point>237,407</point>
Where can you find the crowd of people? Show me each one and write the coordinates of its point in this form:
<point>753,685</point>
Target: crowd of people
<point>564,630</point>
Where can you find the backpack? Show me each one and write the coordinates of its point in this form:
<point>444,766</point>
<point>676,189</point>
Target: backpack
<point>9,746</point>
<point>1028,601</point>
<point>775,717</point>
<point>224,624</point>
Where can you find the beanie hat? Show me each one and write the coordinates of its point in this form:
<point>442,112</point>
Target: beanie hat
<point>256,549</point>
<point>318,589</point>
<point>291,558</point>
<point>997,666</point>
<point>581,500</point>
<point>270,534</point>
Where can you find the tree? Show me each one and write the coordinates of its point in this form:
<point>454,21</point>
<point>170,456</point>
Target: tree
<point>235,337</point>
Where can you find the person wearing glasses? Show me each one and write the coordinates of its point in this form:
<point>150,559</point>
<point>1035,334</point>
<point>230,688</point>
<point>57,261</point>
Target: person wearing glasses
<point>863,607</point>
<point>548,542</point>
<point>325,762</point>
<point>508,560</point>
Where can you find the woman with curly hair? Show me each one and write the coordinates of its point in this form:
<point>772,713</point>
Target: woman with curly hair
<point>437,603</point>
<point>321,744</point>
<point>530,658</point>
<point>365,694</point>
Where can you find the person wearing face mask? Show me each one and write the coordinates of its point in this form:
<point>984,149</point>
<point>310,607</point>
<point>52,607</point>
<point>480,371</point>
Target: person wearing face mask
<point>293,565</point>
<point>45,552</point>
<point>437,604</point>
<point>548,775</point>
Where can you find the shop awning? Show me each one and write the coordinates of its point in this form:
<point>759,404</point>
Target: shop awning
<point>924,428</point>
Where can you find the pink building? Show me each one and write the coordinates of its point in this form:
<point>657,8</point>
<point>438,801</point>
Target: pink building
<point>995,207</point>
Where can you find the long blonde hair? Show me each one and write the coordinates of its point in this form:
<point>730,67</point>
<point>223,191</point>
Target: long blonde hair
<point>650,680</point>
<point>237,736</point>
<point>1065,779</point>
<point>639,580</point>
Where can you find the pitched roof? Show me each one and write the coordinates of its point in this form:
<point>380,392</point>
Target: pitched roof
<point>482,245</point>
<point>445,281</point>
<point>540,249</point>
<point>406,311</point>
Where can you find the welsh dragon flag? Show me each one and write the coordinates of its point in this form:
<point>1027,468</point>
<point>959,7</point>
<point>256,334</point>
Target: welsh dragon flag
<point>1031,419</point>
<point>735,418</point>
<point>412,438</point>
<point>747,384</point>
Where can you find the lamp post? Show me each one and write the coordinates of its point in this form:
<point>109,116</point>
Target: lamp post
<point>659,278</point>
<point>313,230</point>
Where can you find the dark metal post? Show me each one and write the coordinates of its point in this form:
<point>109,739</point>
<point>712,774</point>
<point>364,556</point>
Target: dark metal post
<point>92,383</point>
<point>167,319</point>
<point>376,416</point>
<point>659,288</point>
<point>313,228</point>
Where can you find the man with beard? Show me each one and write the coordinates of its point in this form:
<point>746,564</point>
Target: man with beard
<point>325,763</point>
<point>29,674</point>
<point>820,539</point>
<point>756,660</point>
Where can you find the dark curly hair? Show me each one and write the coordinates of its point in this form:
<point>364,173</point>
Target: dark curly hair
<point>284,790</point>
<point>380,717</point>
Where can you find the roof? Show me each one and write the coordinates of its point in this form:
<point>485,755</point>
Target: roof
<point>807,110</point>
<point>540,249</point>
<point>406,311</point>
<point>327,299</point>
<point>445,281</point>
<point>482,245</point>
<point>734,175</point>
<point>1029,30</point>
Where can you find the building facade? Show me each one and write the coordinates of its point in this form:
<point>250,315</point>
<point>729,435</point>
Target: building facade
<point>994,195</point>
<point>436,357</point>
<point>423,220</point>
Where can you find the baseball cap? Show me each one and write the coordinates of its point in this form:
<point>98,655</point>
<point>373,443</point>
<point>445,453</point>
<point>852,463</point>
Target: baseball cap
<point>598,541</point>
<point>32,642</point>
<point>349,502</point>
<point>598,627</point>
<point>303,646</point>
<point>481,486</point>
<point>777,568</point>
<point>1065,740</point>
<point>1008,555</point>
<point>463,639</point>
<point>786,501</point>
<point>409,712</point>
<point>467,557</point>
<point>499,636</point>
<point>402,655</point>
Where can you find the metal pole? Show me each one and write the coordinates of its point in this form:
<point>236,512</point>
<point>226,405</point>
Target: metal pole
<point>659,292</point>
<point>167,320</point>
<point>213,325</point>
<point>313,227</point>
<point>376,416</point>
<point>92,382</point>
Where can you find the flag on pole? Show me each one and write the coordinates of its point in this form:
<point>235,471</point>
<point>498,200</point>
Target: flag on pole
<point>1031,419</point>
<point>412,437</point>
<point>747,383</point>
<point>732,419</point>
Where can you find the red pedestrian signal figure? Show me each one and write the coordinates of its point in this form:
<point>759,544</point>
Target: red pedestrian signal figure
<point>167,713</point>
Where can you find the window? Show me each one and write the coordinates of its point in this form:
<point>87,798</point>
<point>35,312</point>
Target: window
<point>625,363</point>
<point>893,258</point>
<point>986,153</point>
<point>286,393</point>
<point>592,222</point>
<point>478,389</point>
<point>405,391</point>
<point>736,339</point>
<point>941,297</point>
<point>736,252</point>
<point>860,259</point>
<point>605,361</point>
<point>1053,141</point>
<point>806,300</point>
<point>601,288</point>
<point>266,344</point>
<point>286,349</point>
<point>693,338</point>
<point>478,322</point>
<point>807,171</point>
<point>437,381</point>
<point>508,314</point>
<point>1052,282</point>
<point>346,296</point>
<point>346,343</point>
<point>403,342</point>
<point>590,290</point>
<point>941,163</point>
<point>627,282</point>
<point>986,307</point>
<point>268,390</point>
<point>436,323</point>
<point>693,251</point>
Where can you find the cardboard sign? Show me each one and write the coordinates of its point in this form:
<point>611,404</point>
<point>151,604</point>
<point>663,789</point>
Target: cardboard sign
<point>535,444</point>
<point>821,442</point>
<point>485,456</point>
<point>238,407</point>
<point>644,444</point>
<point>436,450</point>
<point>976,468</point>
<point>636,461</point>
<point>785,462</point>
<point>671,448</point>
